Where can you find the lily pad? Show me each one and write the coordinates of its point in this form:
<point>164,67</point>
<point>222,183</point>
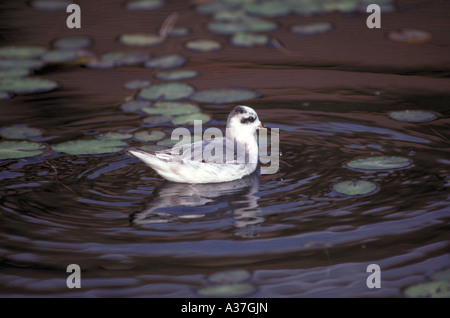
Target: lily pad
<point>409,36</point>
<point>11,64</point>
<point>203,45</point>
<point>171,109</point>
<point>140,39</point>
<point>156,120</point>
<point>413,116</point>
<point>90,147</point>
<point>15,72</point>
<point>139,5</point>
<point>355,187</point>
<point>135,105</point>
<point>189,119</point>
<point>50,5</point>
<point>224,95</point>
<point>166,91</point>
<point>166,61</point>
<point>229,277</point>
<point>21,52</point>
<point>248,40</point>
<point>436,289</point>
<point>380,163</point>
<point>115,136</point>
<point>20,132</point>
<point>59,56</point>
<point>72,43</point>
<point>27,85</point>
<point>268,8</point>
<point>19,149</point>
<point>312,28</point>
<point>149,136</point>
<point>176,75</point>
<point>227,290</point>
<point>136,84</point>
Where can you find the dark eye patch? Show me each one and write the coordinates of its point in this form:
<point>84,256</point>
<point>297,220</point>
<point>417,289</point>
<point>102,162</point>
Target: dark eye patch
<point>248,120</point>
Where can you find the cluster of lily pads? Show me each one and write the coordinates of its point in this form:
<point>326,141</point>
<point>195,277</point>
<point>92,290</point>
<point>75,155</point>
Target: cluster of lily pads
<point>381,163</point>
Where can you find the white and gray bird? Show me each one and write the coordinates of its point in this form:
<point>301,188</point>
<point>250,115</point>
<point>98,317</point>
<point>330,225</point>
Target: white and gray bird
<point>212,160</point>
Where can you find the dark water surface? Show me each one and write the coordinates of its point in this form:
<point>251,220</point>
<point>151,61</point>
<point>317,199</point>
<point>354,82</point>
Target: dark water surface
<point>133,234</point>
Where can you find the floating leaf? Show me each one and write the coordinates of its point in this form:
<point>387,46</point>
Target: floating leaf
<point>59,56</point>
<point>260,25</point>
<point>140,39</point>
<point>139,5</point>
<point>21,52</point>
<point>171,108</point>
<point>135,105</point>
<point>149,136</point>
<point>72,43</point>
<point>225,95</point>
<point>166,61</point>
<point>189,119</point>
<point>355,188</point>
<point>413,116</point>
<point>50,5</point>
<point>227,290</point>
<point>409,36</point>
<point>136,84</point>
<point>15,72</point>
<point>19,149</point>
<point>20,132</point>
<point>176,75</point>
<point>312,28</point>
<point>249,40</point>
<point>380,163</point>
<point>203,45</point>
<point>27,85</point>
<point>166,91</point>
<point>10,64</point>
<point>156,120</point>
<point>90,147</point>
<point>115,136</point>
<point>436,289</point>
<point>229,277</point>
<point>268,8</point>
<point>227,27</point>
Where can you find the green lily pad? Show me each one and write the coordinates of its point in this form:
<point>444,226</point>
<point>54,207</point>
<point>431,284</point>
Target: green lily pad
<point>156,120</point>
<point>413,116</point>
<point>149,136</point>
<point>11,64</point>
<point>59,56</point>
<point>139,5</point>
<point>268,8</point>
<point>409,36</point>
<point>166,61</point>
<point>260,25</point>
<point>135,105</point>
<point>20,132</point>
<point>140,39</point>
<point>90,147</point>
<point>166,91</point>
<point>229,277</point>
<point>50,5</point>
<point>171,108</point>
<point>72,43</point>
<point>27,85</point>
<point>340,6</point>
<point>15,72</point>
<point>203,45</point>
<point>227,290</point>
<point>227,27</point>
<point>189,119</point>
<point>436,289</point>
<point>380,163</point>
<point>136,84</point>
<point>225,95</point>
<point>355,187</point>
<point>19,149</point>
<point>21,52</point>
<point>248,39</point>
<point>115,136</point>
<point>176,75</point>
<point>312,28</point>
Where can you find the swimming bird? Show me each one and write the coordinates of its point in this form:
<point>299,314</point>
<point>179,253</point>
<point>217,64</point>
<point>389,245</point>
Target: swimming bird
<point>219,159</point>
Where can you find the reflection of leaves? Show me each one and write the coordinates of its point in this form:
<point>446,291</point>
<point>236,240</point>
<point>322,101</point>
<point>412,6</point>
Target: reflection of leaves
<point>19,149</point>
<point>90,147</point>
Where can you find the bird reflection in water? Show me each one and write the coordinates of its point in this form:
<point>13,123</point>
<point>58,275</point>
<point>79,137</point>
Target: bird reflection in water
<point>172,202</point>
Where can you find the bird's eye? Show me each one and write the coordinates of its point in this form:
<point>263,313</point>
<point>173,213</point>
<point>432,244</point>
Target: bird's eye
<point>251,119</point>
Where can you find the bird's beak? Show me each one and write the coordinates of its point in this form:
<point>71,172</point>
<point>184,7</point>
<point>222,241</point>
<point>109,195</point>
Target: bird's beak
<point>261,125</point>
